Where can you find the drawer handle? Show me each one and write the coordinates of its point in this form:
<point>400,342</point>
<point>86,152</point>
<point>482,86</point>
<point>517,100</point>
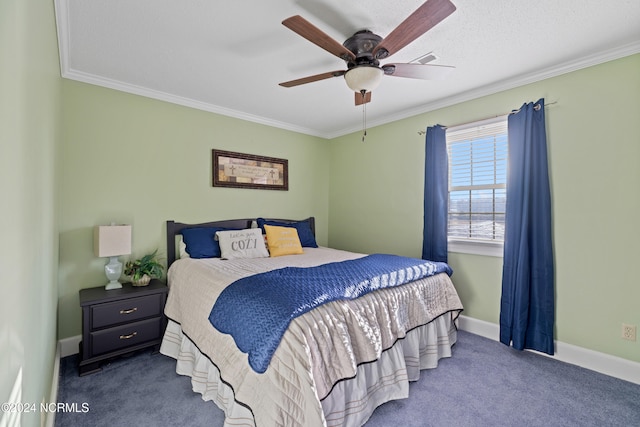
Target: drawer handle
<point>129,311</point>
<point>126,337</point>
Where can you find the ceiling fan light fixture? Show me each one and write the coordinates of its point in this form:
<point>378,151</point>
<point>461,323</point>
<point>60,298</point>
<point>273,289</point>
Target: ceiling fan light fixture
<point>363,77</point>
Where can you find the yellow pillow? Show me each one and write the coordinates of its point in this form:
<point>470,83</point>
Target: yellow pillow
<point>282,240</point>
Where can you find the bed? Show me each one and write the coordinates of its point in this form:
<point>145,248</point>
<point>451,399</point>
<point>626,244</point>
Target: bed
<point>334,364</point>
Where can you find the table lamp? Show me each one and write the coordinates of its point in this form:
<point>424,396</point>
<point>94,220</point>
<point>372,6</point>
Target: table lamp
<point>112,241</point>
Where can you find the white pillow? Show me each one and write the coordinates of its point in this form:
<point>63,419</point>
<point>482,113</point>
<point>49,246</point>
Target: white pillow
<point>182,248</point>
<point>247,243</point>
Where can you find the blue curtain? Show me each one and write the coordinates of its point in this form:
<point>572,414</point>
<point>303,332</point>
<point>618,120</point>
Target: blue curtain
<point>436,195</point>
<point>527,305</point>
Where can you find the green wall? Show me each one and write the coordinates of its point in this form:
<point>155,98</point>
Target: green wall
<point>29,138</point>
<point>139,161</point>
<point>593,132</point>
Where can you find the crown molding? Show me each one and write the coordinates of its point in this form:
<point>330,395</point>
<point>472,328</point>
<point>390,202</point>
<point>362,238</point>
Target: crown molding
<point>564,68</point>
<point>61,10</point>
<point>185,102</point>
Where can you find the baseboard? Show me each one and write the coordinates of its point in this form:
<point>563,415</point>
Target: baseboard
<point>50,416</point>
<point>600,362</point>
<point>69,346</point>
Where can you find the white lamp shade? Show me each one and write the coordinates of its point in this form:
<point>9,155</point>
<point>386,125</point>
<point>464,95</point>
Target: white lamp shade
<point>111,240</point>
<point>364,77</point>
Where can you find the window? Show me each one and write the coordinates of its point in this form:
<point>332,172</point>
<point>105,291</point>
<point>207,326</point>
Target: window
<point>477,186</point>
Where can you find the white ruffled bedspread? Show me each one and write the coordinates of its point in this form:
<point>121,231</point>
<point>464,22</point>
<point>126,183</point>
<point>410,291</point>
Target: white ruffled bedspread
<point>329,344</point>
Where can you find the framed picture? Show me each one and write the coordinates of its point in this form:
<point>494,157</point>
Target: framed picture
<point>238,170</point>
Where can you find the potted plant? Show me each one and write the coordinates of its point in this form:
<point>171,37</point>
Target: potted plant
<point>142,270</point>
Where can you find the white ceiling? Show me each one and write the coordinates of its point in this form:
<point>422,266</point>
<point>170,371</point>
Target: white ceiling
<point>228,57</point>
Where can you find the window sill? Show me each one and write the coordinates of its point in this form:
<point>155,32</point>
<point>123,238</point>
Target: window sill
<point>476,247</point>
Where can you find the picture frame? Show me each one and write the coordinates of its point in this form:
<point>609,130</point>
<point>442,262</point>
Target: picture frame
<point>240,170</point>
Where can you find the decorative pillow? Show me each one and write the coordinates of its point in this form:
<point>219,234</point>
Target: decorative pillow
<point>200,242</point>
<point>305,234</point>
<point>247,243</point>
<point>283,240</point>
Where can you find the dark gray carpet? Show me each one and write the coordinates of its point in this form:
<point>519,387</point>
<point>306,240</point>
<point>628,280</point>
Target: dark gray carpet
<point>484,384</point>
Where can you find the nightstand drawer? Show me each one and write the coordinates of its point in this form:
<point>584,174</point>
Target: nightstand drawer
<point>127,335</point>
<point>129,310</point>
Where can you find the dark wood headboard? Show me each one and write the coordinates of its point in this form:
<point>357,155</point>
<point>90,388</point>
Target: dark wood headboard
<point>175,228</point>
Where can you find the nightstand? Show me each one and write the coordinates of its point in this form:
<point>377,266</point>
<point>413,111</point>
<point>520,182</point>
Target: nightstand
<point>120,321</point>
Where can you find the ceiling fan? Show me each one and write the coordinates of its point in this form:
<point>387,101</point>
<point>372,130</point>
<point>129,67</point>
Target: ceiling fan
<point>363,51</point>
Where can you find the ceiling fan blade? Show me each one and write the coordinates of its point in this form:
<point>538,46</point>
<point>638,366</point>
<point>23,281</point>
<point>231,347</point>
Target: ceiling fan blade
<point>315,35</point>
<point>314,78</point>
<point>418,71</point>
<point>362,99</point>
<point>419,22</point>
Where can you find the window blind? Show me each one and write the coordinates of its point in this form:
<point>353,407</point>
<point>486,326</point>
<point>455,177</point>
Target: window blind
<point>477,180</point>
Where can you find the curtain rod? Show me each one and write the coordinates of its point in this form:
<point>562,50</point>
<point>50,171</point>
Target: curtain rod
<point>536,107</point>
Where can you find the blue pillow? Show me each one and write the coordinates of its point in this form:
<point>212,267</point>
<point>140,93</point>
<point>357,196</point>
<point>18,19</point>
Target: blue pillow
<point>307,238</point>
<point>201,242</point>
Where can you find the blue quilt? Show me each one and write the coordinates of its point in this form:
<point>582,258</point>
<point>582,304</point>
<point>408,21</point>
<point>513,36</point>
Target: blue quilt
<point>257,310</point>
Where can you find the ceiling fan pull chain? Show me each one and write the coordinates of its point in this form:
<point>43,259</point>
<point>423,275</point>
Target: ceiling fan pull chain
<point>364,115</point>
